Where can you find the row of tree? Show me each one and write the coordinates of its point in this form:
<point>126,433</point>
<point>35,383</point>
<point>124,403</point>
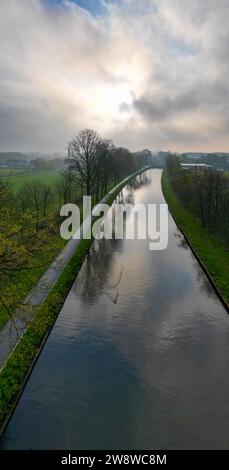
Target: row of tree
<point>98,161</point>
<point>203,191</point>
<point>29,221</point>
<point>93,165</point>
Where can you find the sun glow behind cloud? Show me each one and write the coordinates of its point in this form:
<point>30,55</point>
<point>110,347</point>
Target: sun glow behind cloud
<point>143,73</point>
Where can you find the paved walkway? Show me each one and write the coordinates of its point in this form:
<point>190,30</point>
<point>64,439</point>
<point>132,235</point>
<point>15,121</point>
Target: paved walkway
<point>15,327</point>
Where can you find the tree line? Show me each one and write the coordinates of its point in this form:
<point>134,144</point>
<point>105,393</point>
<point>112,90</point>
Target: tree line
<point>30,219</point>
<point>203,191</point>
<point>99,162</point>
<point>92,166</point>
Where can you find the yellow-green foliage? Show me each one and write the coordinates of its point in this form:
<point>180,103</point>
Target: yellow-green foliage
<point>16,368</point>
<point>20,360</point>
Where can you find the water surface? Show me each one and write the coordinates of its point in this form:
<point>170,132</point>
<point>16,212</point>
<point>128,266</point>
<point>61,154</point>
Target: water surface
<point>138,357</point>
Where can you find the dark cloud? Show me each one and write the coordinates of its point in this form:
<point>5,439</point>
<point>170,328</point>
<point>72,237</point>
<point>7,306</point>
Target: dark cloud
<point>144,73</point>
<point>154,108</point>
<point>212,96</point>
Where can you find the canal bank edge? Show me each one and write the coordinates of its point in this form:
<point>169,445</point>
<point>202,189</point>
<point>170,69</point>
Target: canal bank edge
<point>16,370</point>
<point>175,208</point>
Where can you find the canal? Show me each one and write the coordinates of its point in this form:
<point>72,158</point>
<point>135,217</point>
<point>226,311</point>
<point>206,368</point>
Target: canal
<point>138,357</point>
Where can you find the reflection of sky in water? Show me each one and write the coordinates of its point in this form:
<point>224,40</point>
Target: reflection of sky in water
<point>137,357</point>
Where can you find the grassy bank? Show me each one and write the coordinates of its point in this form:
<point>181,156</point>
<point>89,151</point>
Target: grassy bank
<point>27,278</point>
<point>212,254</point>
<point>15,372</point>
<point>43,252</point>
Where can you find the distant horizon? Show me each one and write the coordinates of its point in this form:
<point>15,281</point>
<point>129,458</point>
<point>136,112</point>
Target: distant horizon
<point>58,152</point>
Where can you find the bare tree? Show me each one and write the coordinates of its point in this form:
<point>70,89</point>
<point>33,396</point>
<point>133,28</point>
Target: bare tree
<point>204,191</point>
<point>35,189</point>
<point>46,197</point>
<point>23,198</point>
<point>102,173</point>
<point>64,186</point>
<point>86,154</point>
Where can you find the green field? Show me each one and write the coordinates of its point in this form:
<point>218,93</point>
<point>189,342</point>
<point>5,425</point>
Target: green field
<point>12,172</point>
<point>214,256</point>
<point>16,181</point>
<point>18,364</point>
<point>17,178</point>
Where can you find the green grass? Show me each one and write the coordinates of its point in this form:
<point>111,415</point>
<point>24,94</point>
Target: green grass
<point>213,255</point>
<point>4,316</point>
<point>13,172</point>
<point>42,259</point>
<point>19,363</point>
<point>27,278</point>
<point>49,177</point>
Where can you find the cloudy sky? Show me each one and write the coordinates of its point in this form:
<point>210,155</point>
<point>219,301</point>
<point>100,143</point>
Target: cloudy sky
<point>146,73</point>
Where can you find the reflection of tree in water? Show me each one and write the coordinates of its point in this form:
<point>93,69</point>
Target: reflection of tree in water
<point>98,275</point>
<point>181,242</point>
<point>202,279</point>
<point>112,291</point>
<point>126,196</point>
<point>140,180</point>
